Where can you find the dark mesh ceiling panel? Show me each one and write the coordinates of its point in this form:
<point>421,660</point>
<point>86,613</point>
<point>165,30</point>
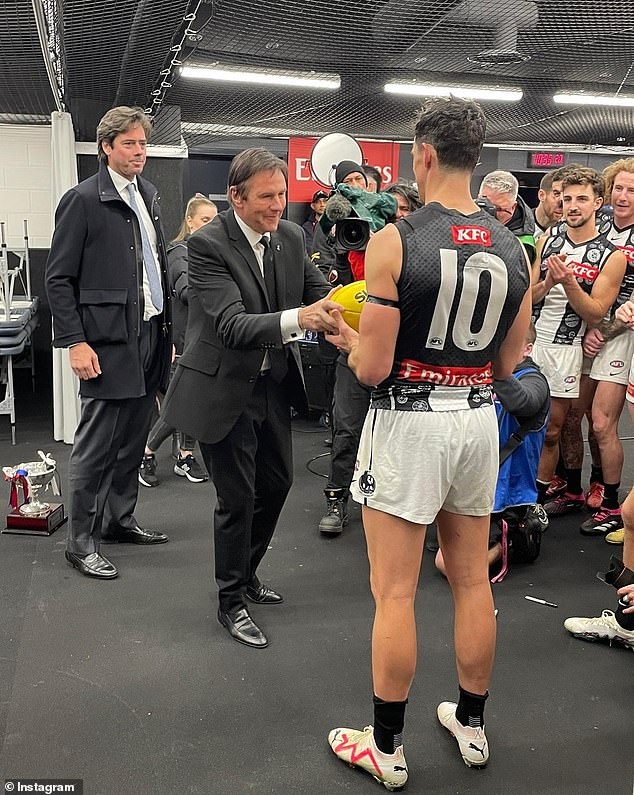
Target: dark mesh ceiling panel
<point>118,53</point>
<point>114,53</point>
<point>569,48</point>
<point>25,93</point>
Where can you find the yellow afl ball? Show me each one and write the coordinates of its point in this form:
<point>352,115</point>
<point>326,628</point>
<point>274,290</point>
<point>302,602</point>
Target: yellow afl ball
<point>352,297</point>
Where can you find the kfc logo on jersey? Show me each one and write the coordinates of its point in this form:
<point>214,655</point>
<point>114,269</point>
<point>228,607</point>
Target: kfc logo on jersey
<point>628,251</point>
<point>471,234</point>
<point>585,272</point>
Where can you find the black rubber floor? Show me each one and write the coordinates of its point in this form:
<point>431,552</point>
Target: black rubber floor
<point>132,686</point>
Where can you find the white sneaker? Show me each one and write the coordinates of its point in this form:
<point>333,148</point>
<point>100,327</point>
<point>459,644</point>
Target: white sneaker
<point>605,627</point>
<point>358,749</point>
<point>472,742</point>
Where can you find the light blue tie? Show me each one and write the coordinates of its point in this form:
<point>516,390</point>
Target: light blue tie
<point>149,262</point>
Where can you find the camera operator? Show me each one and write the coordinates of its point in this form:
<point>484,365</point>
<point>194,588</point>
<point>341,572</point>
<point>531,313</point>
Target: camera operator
<point>332,263</point>
<point>350,399</point>
<point>501,189</point>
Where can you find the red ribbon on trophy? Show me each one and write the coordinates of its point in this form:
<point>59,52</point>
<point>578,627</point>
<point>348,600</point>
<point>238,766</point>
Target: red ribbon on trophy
<point>18,481</point>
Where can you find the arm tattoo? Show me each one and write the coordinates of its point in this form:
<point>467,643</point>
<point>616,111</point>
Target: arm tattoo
<point>611,328</point>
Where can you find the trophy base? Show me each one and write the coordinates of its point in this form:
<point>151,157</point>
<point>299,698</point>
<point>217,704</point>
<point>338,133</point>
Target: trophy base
<point>43,525</point>
<point>34,509</point>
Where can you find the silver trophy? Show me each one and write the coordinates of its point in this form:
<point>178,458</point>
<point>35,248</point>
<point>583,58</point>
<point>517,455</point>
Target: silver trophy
<point>42,473</point>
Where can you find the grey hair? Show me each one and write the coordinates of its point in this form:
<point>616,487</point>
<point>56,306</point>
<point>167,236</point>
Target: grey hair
<point>501,182</point>
<point>118,120</point>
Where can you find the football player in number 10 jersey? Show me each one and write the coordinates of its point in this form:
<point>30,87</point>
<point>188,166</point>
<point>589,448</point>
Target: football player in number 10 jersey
<point>448,309</point>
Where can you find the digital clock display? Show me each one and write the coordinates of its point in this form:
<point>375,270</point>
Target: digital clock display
<point>545,159</point>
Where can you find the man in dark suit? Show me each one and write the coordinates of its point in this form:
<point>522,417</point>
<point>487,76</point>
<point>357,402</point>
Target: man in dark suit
<point>105,280</point>
<point>248,275</point>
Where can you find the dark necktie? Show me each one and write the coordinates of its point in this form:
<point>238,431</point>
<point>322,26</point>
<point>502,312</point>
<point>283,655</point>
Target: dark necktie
<point>277,358</point>
<point>269,272</point>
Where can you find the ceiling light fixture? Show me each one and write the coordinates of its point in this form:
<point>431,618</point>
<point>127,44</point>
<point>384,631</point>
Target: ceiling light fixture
<point>421,90</point>
<point>292,79</point>
<point>590,99</point>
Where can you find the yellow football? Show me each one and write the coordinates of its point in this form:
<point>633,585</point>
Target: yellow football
<point>352,297</point>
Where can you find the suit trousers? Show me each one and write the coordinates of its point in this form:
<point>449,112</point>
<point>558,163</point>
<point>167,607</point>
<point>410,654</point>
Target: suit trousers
<point>351,401</point>
<point>108,447</point>
<point>252,471</point>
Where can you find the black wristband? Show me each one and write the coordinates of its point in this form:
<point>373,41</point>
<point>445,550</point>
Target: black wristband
<point>373,299</point>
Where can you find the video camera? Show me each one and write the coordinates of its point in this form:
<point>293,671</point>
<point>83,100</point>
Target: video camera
<point>356,213</point>
<point>351,232</point>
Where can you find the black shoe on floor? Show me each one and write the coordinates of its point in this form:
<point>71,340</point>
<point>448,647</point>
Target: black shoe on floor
<point>243,628</point>
<point>262,595</point>
<point>147,472</point>
<point>336,516</point>
<point>134,535</point>
<point>93,565</point>
<point>186,466</point>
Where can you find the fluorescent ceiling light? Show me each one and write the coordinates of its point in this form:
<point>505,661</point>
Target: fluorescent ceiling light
<point>296,79</point>
<point>589,99</point>
<point>421,90</point>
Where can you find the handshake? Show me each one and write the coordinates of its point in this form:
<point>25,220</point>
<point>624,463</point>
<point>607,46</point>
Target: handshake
<point>318,316</point>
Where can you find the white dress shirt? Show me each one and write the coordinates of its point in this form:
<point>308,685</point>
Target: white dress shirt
<point>121,184</point>
<point>289,318</point>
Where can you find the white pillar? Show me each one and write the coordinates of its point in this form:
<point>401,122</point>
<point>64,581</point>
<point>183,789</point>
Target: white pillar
<point>66,403</point>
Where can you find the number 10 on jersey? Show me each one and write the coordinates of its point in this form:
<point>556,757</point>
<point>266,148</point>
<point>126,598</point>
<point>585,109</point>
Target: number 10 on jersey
<point>473,282</point>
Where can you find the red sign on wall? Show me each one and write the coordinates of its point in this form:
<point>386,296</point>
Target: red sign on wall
<point>302,186</point>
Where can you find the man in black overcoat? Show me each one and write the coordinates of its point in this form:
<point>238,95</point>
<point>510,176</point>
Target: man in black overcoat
<point>105,280</point>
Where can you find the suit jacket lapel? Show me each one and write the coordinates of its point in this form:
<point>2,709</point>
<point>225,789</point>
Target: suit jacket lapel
<point>241,245</point>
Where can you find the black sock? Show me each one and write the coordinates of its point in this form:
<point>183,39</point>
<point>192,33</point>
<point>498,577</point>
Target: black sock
<point>626,620</point>
<point>389,719</point>
<point>542,488</point>
<point>573,476</point>
<point>596,474</point>
<point>611,496</point>
<point>470,710</point>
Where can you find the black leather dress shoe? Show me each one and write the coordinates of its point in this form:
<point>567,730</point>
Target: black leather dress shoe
<point>243,628</point>
<point>93,565</point>
<point>134,535</point>
<point>262,595</point>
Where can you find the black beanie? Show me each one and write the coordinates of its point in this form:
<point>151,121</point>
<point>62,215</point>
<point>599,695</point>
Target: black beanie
<point>347,167</point>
